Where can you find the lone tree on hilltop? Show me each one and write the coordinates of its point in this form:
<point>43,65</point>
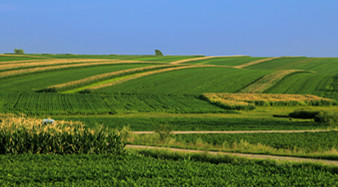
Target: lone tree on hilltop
<point>18,51</point>
<point>158,52</point>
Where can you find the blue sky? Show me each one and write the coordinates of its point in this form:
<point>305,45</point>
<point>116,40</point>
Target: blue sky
<point>176,27</point>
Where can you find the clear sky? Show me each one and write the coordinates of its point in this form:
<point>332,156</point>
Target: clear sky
<point>176,27</point>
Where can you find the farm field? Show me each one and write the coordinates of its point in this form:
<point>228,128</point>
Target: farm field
<point>189,81</point>
<point>162,94</point>
<point>148,169</point>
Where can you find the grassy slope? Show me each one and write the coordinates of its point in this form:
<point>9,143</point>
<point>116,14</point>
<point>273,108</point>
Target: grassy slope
<point>192,81</point>
<point>229,61</point>
<point>45,79</point>
<point>132,170</point>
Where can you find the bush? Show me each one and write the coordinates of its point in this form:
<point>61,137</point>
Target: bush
<point>158,52</point>
<point>325,117</point>
<point>18,51</point>
<point>304,114</point>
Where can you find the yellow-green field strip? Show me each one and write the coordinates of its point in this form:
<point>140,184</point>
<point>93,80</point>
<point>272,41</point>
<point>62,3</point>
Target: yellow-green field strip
<point>255,62</point>
<point>50,62</point>
<point>48,68</point>
<point>245,155</point>
<point>269,80</point>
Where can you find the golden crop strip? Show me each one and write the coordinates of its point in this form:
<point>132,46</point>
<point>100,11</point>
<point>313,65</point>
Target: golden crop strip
<point>255,62</point>
<point>21,61</point>
<point>268,81</point>
<point>105,75</point>
<point>18,55</point>
<point>250,97</point>
<point>145,74</point>
<point>49,62</point>
<point>11,123</point>
<point>41,69</point>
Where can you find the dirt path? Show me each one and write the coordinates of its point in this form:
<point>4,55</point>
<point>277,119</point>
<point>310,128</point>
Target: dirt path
<point>237,132</point>
<point>245,155</point>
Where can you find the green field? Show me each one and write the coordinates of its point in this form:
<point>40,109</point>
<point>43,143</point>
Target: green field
<point>189,81</point>
<point>166,101</point>
<point>36,81</point>
<point>130,170</point>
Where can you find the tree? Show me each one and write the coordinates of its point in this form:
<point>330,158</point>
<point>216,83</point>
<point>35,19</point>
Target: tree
<point>158,52</point>
<point>18,51</point>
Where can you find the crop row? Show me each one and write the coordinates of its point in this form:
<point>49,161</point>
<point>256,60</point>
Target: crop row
<point>163,170</point>
<point>33,103</point>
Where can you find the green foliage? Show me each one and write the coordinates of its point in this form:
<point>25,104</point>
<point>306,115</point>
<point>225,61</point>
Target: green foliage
<point>18,51</point>
<point>327,117</point>
<point>158,52</point>
<point>304,114</point>
<point>137,170</point>
<point>164,131</point>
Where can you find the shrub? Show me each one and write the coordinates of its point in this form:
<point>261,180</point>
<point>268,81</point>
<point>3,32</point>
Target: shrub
<point>158,52</point>
<point>303,114</point>
<point>325,117</point>
<point>18,51</point>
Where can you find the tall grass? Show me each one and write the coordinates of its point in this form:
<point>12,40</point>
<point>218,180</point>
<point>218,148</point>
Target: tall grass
<point>27,135</point>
